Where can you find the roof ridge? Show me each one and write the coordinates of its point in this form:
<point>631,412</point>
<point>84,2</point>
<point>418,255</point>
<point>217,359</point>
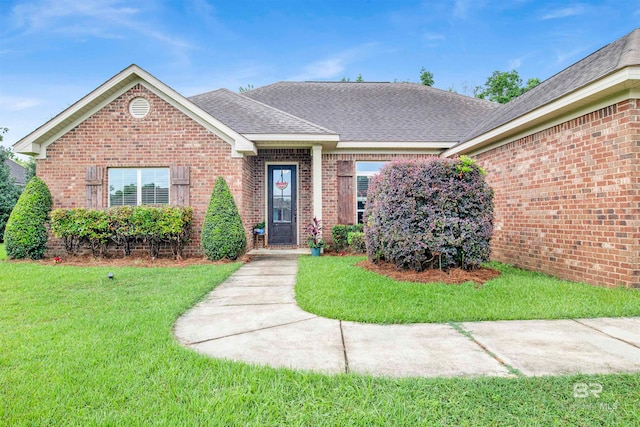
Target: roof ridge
<point>631,52</point>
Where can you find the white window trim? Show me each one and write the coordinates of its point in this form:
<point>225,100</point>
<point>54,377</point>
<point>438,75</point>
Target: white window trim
<point>139,185</point>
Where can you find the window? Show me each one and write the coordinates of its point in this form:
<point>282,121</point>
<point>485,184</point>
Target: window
<point>148,186</point>
<point>364,172</point>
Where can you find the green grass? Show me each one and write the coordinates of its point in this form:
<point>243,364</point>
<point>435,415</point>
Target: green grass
<point>78,349</point>
<point>334,287</point>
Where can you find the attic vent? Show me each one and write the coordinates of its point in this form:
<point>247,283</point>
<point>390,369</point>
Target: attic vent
<point>139,107</point>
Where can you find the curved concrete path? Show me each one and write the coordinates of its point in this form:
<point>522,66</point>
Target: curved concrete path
<point>253,317</point>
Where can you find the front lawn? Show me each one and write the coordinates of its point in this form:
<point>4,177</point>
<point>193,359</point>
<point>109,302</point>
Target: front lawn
<point>80,349</point>
<point>334,287</point>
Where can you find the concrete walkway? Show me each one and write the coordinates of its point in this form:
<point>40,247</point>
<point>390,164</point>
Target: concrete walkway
<point>253,317</point>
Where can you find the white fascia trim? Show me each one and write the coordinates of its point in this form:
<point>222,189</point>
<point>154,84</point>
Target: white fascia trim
<point>238,142</point>
<point>616,79</point>
<point>629,94</point>
<point>291,137</point>
<point>397,145</point>
<point>433,151</point>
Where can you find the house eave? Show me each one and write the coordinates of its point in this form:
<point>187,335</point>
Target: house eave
<point>619,85</point>
<point>395,145</point>
<point>37,141</point>
<point>296,137</point>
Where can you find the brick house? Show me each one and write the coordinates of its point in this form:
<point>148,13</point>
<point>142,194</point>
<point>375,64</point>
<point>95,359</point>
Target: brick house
<point>563,158</point>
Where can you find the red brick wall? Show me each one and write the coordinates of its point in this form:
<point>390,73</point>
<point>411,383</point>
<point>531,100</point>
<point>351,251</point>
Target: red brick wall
<point>330,182</point>
<point>112,138</point>
<point>567,199</point>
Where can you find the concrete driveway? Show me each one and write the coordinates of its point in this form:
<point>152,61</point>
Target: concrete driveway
<point>253,317</point>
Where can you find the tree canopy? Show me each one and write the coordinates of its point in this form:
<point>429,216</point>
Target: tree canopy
<point>426,77</point>
<point>503,86</point>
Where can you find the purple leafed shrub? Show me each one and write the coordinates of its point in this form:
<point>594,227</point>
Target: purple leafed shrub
<point>427,214</point>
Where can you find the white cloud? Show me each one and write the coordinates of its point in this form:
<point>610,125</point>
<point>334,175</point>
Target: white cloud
<point>18,103</point>
<point>461,8</point>
<point>324,69</point>
<point>433,36</point>
<point>564,57</point>
<point>333,66</point>
<point>515,63</point>
<point>564,12</point>
<point>50,14</point>
<point>110,19</point>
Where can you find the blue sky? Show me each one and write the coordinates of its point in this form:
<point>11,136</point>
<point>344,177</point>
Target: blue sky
<point>53,52</point>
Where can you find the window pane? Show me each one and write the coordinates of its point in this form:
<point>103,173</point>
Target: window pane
<point>369,166</point>
<point>281,195</point>
<point>364,172</point>
<point>363,186</point>
<point>123,187</point>
<point>155,186</point>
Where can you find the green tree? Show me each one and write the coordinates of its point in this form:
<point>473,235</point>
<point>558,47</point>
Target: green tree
<point>246,89</point>
<point>359,79</point>
<point>30,166</point>
<point>25,235</point>
<point>9,190</point>
<point>223,234</point>
<point>503,86</point>
<point>426,77</point>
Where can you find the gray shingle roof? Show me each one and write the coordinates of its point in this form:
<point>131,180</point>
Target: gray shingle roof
<point>245,115</point>
<point>17,171</point>
<point>378,111</point>
<point>621,53</point>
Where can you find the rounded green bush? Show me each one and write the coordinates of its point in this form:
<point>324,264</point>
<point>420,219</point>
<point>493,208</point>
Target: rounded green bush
<point>26,234</point>
<point>427,214</point>
<point>223,234</point>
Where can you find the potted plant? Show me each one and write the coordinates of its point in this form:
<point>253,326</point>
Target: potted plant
<point>314,240</point>
<point>259,228</point>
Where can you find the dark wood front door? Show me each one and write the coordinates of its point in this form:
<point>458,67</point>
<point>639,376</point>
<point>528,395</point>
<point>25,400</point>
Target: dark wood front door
<point>282,205</point>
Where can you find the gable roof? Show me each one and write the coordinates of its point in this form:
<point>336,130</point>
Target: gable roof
<point>612,58</point>
<point>372,112</point>
<point>372,116</point>
<point>17,171</point>
<point>248,116</point>
<point>37,141</point>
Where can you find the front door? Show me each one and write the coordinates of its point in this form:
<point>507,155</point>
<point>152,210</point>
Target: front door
<point>282,205</point>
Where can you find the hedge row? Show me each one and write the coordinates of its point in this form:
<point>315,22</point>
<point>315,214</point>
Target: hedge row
<point>123,225</point>
<point>340,234</point>
<point>429,214</point>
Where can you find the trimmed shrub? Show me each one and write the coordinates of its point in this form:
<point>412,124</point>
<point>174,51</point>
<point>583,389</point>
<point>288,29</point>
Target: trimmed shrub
<point>173,227</point>
<point>66,225</point>
<point>145,221</point>
<point>223,234</point>
<point>429,214</point>
<point>95,230</point>
<point>25,235</point>
<point>340,232</point>
<point>356,242</point>
<point>124,225</point>
<point>123,233</point>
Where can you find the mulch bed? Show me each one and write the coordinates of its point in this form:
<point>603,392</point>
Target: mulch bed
<point>454,276</point>
<point>134,260</point>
